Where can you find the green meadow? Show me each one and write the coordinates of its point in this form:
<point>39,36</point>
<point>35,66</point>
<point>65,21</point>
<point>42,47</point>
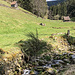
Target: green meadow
<point>15,24</point>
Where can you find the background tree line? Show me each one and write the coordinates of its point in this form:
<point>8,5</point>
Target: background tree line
<point>37,7</point>
<point>66,8</point>
<point>40,7</point>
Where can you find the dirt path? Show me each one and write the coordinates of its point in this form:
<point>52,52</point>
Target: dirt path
<point>4,5</point>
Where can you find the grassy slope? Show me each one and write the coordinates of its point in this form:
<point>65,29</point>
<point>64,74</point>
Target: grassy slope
<point>15,24</point>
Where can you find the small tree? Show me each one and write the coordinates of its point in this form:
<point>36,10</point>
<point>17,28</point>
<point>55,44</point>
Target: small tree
<point>33,46</point>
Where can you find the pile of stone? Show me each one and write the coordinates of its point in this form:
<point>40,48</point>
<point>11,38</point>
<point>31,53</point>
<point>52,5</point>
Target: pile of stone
<point>57,64</point>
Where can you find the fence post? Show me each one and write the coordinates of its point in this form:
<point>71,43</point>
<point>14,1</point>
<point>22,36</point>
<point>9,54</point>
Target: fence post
<point>68,33</point>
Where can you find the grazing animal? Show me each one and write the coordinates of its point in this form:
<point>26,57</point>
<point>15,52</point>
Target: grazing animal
<point>42,24</point>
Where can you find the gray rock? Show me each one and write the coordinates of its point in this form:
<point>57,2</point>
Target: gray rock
<point>26,72</point>
<point>66,60</point>
<point>65,53</point>
<point>68,64</point>
<point>58,61</point>
<point>73,58</point>
<point>47,66</point>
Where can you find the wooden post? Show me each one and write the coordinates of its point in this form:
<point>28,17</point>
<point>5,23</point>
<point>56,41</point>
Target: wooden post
<point>68,33</point>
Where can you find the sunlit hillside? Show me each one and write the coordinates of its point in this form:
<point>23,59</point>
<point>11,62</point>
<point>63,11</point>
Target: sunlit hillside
<point>16,23</point>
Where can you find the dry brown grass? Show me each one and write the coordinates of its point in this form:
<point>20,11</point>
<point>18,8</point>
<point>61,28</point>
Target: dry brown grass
<point>9,54</point>
<point>70,70</point>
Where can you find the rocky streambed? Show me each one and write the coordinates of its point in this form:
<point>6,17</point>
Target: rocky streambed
<point>60,60</point>
<point>45,66</point>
